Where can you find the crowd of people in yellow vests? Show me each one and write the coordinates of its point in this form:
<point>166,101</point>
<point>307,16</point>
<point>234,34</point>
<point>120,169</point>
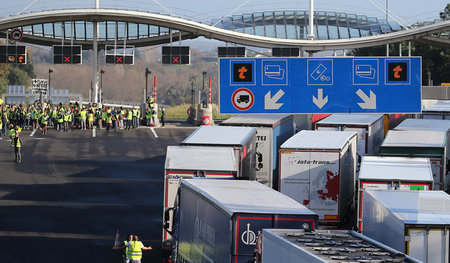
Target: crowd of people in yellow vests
<point>67,117</point>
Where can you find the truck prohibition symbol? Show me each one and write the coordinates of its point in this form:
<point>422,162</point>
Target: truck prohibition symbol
<point>243,98</point>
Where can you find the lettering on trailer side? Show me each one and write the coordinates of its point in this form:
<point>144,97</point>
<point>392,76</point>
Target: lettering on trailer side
<point>203,232</point>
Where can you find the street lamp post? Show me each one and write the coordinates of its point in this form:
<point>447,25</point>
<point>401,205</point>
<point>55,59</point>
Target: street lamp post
<point>101,84</point>
<point>192,79</point>
<point>49,83</point>
<point>203,90</point>
<point>147,72</point>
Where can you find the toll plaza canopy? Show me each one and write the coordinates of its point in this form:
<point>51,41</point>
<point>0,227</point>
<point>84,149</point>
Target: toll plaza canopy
<point>333,30</point>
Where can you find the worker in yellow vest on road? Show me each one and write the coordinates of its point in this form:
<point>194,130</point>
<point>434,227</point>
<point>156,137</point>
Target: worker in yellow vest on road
<point>135,248</point>
<point>83,114</point>
<point>17,143</point>
<point>91,119</point>
<point>129,119</point>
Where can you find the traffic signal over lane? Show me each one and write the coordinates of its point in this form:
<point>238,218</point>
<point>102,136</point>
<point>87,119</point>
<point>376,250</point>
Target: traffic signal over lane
<point>285,52</point>
<point>176,55</point>
<point>120,59</point>
<point>13,54</point>
<point>67,54</point>
<point>231,52</point>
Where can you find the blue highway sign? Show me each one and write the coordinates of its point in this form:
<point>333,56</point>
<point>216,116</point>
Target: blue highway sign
<point>320,85</point>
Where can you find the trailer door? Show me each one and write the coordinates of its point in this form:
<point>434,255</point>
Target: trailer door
<point>362,144</point>
<point>428,245</point>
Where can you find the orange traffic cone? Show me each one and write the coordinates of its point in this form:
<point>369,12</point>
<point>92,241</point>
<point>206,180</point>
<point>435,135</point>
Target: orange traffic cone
<point>117,241</point>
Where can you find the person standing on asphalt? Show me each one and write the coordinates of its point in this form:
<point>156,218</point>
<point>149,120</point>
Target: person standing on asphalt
<point>17,142</point>
<point>44,122</point>
<point>126,249</point>
<point>108,122</point>
<point>83,114</point>
<point>135,248</point>
<point>129,119</point>
<point>163,114</point>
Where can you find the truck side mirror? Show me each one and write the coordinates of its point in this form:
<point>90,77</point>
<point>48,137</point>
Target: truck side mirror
<point>167,219</point>
<point>167,214</point>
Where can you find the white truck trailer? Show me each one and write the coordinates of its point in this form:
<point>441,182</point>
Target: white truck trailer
<point>317,169</point>
<point>392,173</point>
<point>242,139</point>
<point>427,144</point>
<point>272,130</point>
<point>186,162</point>
<point>370,129</point>
<point>438,111</point>
<point>219,220</point>
<point>414,222</point>
<point>427,125</point>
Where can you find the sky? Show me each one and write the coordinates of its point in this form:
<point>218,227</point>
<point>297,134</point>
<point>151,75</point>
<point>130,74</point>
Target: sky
<point>403,11</point>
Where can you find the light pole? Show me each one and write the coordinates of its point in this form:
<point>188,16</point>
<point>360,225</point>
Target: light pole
<point>203,90</point>
<point>147,72</point>
<point>192,79</point>
<point>50,71</point>
<point>101,84</point>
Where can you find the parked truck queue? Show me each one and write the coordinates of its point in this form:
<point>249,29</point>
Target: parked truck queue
<point>317,171</point>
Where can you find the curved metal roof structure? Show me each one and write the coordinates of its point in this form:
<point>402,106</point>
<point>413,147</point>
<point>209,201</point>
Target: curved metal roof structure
<point>333,30</point>
<point>295,25</point>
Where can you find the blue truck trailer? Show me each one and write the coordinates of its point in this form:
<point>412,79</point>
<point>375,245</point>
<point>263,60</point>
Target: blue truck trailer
<point>219,220</point>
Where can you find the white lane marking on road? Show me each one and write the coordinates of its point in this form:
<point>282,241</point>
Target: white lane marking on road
<point>154,132</point>
<point>39,138</point>
<point>32,134</point>
<point>94,131</point>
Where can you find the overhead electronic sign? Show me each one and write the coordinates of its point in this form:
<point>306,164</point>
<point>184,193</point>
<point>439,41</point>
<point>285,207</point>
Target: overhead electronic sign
<point>67,54</point>
<point>320,85</point>
<point>176,55</point>
<point>13,54</point>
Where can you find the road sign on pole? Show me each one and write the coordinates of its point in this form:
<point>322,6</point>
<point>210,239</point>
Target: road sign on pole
<point>40,86</point>
<point>16,34</point>
<point>320,85</point>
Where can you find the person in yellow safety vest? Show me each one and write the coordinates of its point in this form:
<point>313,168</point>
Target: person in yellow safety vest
<point>70,120</point>
<point>11,133</point>
<point>83,118</point>
<point>66,121</point>
<point>129,119</point>
<point>98,117</point>
<point>91,119</point>
<point>108,122</point>
<point>125,251</point>
<point>116,117</point>
<point>138,120</point>
<point>60,120</point>
<point>134,111</point>
<point>121,117</point>
<point>17,143</point>
<point>154,116</point>
<point>148,116</point>
<point>54,119</point>
<point>135,248</point>
<point>44,122</point>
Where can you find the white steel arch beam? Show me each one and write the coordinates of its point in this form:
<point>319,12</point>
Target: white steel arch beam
<point>216,33</point>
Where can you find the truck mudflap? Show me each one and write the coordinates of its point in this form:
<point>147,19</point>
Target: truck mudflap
<point>247,228</point>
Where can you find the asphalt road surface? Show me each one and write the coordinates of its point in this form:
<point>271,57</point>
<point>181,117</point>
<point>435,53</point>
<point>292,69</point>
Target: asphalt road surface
<point>71,192</point>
